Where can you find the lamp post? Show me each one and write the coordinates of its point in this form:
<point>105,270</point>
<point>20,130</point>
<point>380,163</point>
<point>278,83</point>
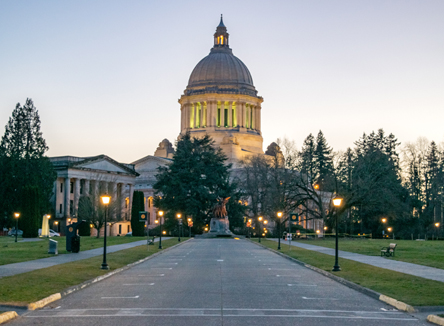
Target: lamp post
<point>189,226</point>
<point>16,215</point>
<point>383,220</point>
<point>105,201</point>
<point>260,228</point>
<point>249,227</point>
<point>337,201</point>
<point>437,230</point>
<point>179,220</point>
<point>160,213</point>
<point>279,215</point>
<point>48,217</point>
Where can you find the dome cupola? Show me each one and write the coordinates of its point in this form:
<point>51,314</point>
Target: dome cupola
<point>221,71</point>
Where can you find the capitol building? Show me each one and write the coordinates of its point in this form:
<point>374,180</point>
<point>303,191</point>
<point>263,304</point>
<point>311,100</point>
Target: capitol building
<point>220,100</point>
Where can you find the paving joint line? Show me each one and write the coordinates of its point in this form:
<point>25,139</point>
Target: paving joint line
<point>57,296</point>
<point>373,294</point>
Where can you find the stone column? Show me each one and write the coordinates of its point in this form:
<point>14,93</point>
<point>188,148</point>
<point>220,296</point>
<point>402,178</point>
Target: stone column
<point>76,196</point>
<point>230,114</point>
<point>67,196</point>
<point>245,116</point>
<point>258,123</point>
<point>253,116</point>
<point>212,114</point>
<point>114,200</point>
<point>240,108</point>
<point>86,187</point>
<point>122,201</point>
<point>222,114</point>
<point>131,190</point>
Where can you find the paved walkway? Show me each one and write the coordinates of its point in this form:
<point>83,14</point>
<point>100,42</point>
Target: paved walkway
<point>430,273</point>
<point>27,266</point>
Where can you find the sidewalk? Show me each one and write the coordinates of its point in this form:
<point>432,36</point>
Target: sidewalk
<point>426,272</point>
<point>27,266</point>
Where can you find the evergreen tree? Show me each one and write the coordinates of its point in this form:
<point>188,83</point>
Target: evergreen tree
<point>22,161</point>
<point>193,182</point>
<point>137,227</point>
<point>323,164</point>
<point>308,156</point>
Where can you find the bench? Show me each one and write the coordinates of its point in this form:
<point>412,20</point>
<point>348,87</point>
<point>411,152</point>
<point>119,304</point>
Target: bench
<point>388,251</point>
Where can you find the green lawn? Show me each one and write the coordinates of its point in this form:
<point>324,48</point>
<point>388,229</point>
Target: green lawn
<point>15,252</point>
<point>36,285</point>
<point>427,253</point>
<point>412,290</point>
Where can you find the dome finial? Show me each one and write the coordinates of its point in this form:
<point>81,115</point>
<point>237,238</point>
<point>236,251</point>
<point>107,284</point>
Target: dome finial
<point>221,24</point>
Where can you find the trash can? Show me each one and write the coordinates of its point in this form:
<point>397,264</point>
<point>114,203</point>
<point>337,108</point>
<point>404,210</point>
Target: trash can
<point>53,247</point>
<point>75,244</point>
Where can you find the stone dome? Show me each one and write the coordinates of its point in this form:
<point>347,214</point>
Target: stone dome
<point>220,68</point>
<point>221,71</point>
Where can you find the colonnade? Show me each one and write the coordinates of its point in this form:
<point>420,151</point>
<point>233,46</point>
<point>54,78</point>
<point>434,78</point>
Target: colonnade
<point>69,190</point>
<point>220,114</point>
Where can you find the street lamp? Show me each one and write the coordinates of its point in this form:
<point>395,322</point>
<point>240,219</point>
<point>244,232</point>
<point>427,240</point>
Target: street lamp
<point>190,220</point>
<point>279,215</point>
<point>437,230</point>
<point>48,217</point>
<point>16,215</point>
<point>160,213</point>
<point>337,201</point>
<point>105,201</point>
<point>179,220</point>
<point>249,228</point>
<point>260,232</point>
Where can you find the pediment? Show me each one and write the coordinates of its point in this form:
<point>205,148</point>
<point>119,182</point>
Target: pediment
<point>102,165</point>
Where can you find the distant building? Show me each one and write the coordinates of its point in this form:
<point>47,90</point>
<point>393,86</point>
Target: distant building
<point>77,176</point>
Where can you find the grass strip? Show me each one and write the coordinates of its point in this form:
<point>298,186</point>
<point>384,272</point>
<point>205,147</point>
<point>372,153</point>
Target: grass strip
<point>413,290</point>
<point>33,286</point>
<point>16,252</point>
<point>426,253</point>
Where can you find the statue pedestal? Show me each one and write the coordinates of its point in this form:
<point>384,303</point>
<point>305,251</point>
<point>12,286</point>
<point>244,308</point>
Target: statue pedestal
<point>220,227</point>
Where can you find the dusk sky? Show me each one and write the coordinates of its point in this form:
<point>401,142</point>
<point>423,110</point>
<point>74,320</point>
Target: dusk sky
<point>106,75</point>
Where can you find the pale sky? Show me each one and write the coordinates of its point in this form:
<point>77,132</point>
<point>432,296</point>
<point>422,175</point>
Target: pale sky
<point>106,75</point>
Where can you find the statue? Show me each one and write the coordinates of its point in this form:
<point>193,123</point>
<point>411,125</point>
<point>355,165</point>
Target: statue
<point>219,225</point>
<point>220,210</point>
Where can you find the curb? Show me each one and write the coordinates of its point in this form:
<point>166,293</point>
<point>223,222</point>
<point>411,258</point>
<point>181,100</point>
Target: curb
<point>72,289</point>
<point>44,302</point>
<point>373,294</point>
<point>435,319</point>
<point>6,316</point>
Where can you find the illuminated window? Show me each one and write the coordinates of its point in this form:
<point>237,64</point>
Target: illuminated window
<point>226,114</point>
<point>218,114</point>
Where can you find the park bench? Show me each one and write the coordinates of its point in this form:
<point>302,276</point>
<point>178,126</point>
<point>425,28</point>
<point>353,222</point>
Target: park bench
<point>389,251</point>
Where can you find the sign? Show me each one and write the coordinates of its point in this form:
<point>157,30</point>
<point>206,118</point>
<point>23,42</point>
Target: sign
<point>190,224</point>
<point>143,216</point>
<point>294,217</point>
<point>289,237</point>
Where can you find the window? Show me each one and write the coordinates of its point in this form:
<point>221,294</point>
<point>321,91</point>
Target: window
<point>61,186</point>
<point>226,114</point>
<point>233,114</point>
<point>218,114</point>
<point>82,186</point>
<point>71,207</point>
<point>61,209</point>
<point>71,186</point>
<point>120,228</point>
<point>128,228</point>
